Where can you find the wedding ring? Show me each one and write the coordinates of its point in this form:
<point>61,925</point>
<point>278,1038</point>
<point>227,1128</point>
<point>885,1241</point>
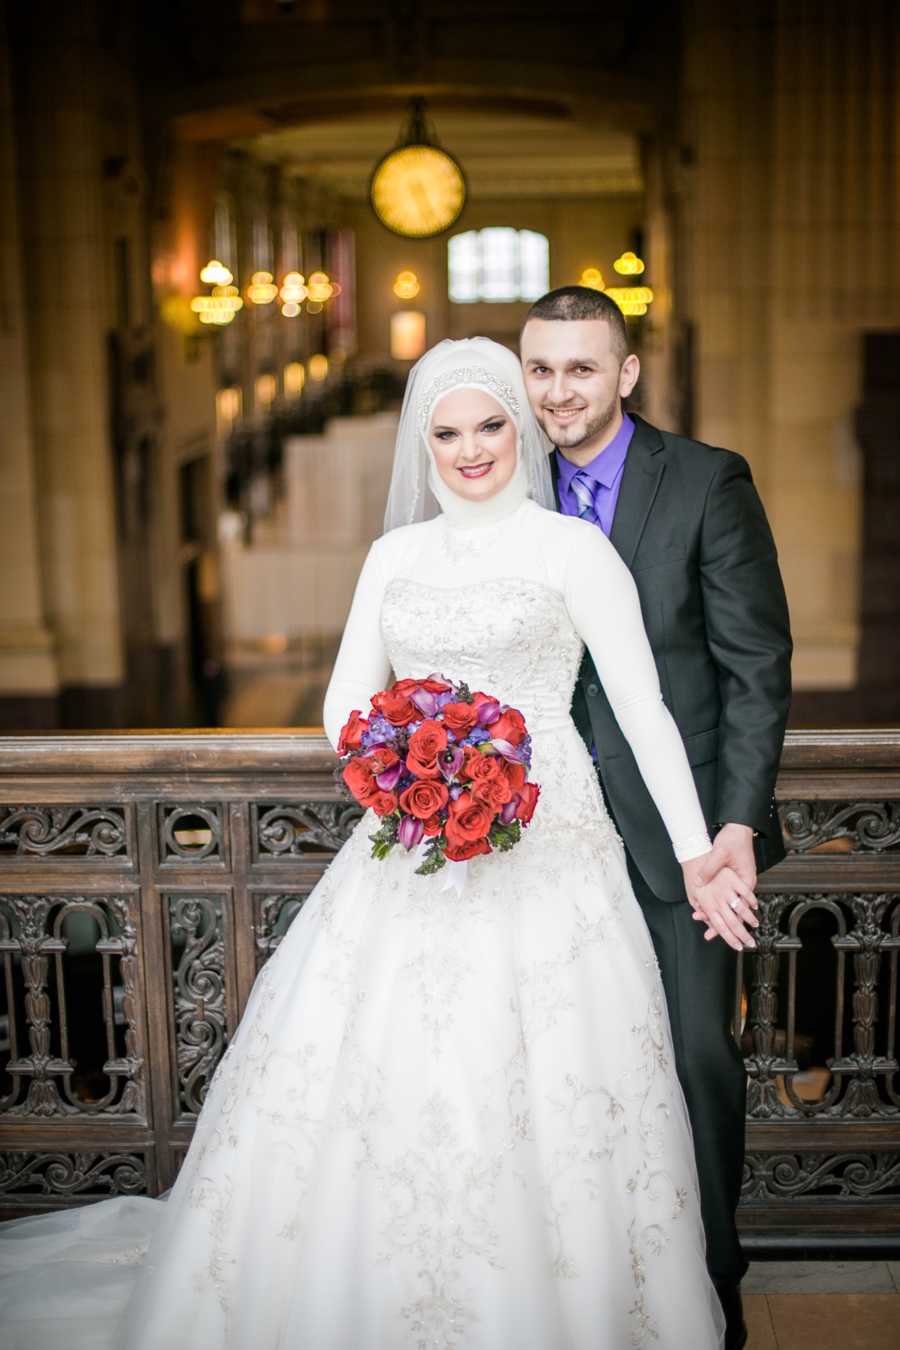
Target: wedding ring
<point>734,902</point>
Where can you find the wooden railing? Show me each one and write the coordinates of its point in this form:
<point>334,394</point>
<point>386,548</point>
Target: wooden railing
<point>145,879</point>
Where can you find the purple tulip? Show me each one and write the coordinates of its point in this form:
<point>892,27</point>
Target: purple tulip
<point>488,712</point>
<point>410,831</point>
<point>508,812</point>
<point>450,762</point>
<point>425,702</point>
<point>387,780</point>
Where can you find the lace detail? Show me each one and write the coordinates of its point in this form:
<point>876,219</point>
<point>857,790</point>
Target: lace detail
<point>510,636</point>
<point>466,375</point>
<point>449,1122</point>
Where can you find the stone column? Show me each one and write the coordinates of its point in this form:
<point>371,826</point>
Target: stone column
<point>789,227</point>
<point>28,675</point>
<point>58,70</point>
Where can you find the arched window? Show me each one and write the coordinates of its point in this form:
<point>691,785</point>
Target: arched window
<point>499,264</point>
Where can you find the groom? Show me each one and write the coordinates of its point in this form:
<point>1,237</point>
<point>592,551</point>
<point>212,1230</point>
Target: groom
<point>687,520</point>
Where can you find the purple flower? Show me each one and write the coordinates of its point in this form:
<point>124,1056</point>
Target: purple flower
<point>410,832</point>
<point>380,733</point>
<point>426,703</point>
<point>488,712</point>
<point>455,791</point>
<point>450,762</point>
<point>508,812</point>
<point>517,753</point>
<point>389,778</point>
<point>476,736</point>
<point>447,697</point>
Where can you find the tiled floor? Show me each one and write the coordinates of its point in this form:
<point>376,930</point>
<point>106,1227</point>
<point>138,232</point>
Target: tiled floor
<point>823,1305</point>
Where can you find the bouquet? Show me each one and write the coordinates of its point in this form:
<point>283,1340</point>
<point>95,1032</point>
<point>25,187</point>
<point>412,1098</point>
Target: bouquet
<point>443,765</point>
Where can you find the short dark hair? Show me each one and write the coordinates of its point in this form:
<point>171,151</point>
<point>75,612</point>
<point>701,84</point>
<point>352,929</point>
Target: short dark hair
<point>582,302</point>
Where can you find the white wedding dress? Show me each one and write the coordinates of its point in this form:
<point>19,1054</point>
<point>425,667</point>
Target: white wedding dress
<point>449,1119</point>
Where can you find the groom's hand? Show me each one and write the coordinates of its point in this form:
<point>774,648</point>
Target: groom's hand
<point>732,847</point>
<point>725,903</point>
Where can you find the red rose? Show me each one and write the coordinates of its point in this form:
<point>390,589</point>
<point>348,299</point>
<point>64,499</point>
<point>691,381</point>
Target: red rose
<point>528,795</point>
<point>424,800</point>
<point>467,820</point>
<point>480,767</point>
<point>383,803</point>
<point>433,825</point>
<point>352,732</point>
<point>460,852</point>
<point>515,774</point>
<point>422,768</point>
<point>427,741</point>
<point>395,707</point>
<point>404,687</point>
<point>492,792</point>
<point>381,758</point>
<point>435,685</point>
<point>509,726</point>
<point>360,780</point>
<point>460,717</point>
<point>432,685</point>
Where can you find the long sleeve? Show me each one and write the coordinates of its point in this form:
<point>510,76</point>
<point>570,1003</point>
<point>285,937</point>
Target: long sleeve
<point>362,666</point>
<point>749,636</point>
<point>603,602</point>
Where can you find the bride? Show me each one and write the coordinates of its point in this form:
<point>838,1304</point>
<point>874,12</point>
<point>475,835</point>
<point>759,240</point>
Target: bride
<point>449,1119</point>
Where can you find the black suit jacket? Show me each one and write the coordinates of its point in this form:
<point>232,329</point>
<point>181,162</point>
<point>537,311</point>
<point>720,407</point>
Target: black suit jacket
<point>692,529</point>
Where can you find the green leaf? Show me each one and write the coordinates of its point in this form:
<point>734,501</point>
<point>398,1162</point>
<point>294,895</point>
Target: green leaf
<point>434,859</point>
<point>505,837</point>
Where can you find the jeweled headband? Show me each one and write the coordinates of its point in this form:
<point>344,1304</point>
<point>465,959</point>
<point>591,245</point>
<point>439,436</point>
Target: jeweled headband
<point>466,375</point>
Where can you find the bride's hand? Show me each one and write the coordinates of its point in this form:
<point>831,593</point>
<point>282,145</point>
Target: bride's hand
<point>725,904</point>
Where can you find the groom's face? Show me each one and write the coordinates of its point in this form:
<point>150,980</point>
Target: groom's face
<point>575,380</point>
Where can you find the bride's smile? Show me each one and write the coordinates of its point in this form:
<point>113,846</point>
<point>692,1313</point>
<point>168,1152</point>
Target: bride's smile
<point>472,439</point>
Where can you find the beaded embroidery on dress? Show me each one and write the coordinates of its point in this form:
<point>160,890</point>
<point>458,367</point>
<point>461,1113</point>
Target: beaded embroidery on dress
<point>446,1122</point>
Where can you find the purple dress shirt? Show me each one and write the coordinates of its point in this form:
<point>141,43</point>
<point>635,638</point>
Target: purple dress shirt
<point>605,468</point>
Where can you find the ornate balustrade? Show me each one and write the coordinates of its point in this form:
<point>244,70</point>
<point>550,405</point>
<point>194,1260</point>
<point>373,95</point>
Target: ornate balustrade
<point>144,880</point>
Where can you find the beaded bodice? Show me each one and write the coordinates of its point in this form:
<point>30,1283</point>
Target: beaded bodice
<point>509,636</point>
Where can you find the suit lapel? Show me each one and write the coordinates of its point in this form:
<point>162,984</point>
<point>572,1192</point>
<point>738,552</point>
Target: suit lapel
<point>554,474</point>
<point>641,477</point>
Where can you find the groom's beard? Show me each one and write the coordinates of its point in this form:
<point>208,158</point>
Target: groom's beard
<point>573,438</point>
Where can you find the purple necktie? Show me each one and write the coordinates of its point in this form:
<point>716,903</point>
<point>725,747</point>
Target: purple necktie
<point>586,490</point>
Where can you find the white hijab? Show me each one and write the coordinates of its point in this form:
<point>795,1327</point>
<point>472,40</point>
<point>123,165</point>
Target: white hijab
<point>417,492</point>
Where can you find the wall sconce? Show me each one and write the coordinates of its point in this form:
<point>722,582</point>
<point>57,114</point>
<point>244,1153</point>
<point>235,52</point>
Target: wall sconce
<point>293,292</point>
<point>317,368</point>
<point>264,389</point>
<point>320,288</point>
<point>632,300</point>
<point>407,334</point>
<point>228,409</point>
<point>262,289</point>
<point>216,274</point>
<point>219,307</point>
<point>593,278</point>
<point>406,286</point>
<point>294,378</point>
<point>628,265</point>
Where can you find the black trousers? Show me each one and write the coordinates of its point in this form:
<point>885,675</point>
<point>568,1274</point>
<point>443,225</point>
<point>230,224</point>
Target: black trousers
<point>698,977</point>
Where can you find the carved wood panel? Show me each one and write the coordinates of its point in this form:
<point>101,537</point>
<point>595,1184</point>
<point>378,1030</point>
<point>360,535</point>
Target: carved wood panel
<point>144,882</point>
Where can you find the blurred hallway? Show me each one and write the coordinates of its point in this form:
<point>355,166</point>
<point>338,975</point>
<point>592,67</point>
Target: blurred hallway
<point>167,173</point>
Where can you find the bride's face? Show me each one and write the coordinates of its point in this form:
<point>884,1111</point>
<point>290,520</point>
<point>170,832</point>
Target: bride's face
<point>473,440</point>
